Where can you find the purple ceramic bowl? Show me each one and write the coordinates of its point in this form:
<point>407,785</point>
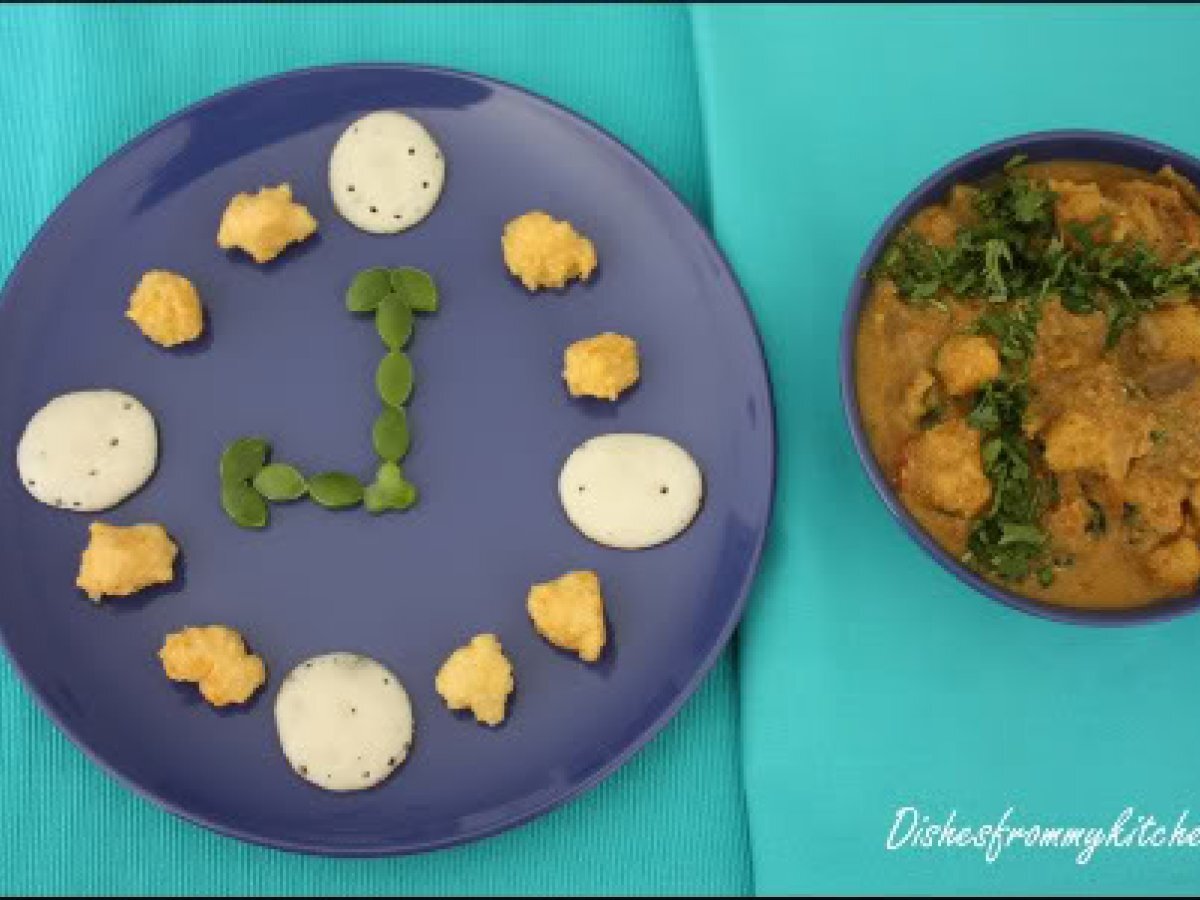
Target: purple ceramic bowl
<point>1097,146</point>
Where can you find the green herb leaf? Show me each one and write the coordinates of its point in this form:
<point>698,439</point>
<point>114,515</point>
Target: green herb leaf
<point>995,253</point>
<point>1097,523</point>
<point>394,379</point>
<point>367,289</point>
<point>1015,328</point>
<point>242,459</point>
<point>998,255</point>
<point>335,490</point>
<point>394,320</point>
<point>390,490</point>
<point>1008,540</point>
<point>932,416</point>
<point>280,483</point>
<point>391,435</point>
<point>244,505</point>
<point>417,289</point>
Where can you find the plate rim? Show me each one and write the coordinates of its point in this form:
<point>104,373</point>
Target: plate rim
<point>689,688</point>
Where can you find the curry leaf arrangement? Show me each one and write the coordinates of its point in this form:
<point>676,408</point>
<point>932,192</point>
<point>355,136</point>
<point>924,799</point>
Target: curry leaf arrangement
<point>1014,256</point>
<point>250,482</point>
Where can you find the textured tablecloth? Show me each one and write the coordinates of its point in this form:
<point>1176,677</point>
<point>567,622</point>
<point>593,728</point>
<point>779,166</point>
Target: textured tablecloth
<point>870,679</point>
<point>76,83</point>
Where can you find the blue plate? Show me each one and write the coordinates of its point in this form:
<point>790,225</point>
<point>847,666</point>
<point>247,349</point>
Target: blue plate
<point>491,424</point>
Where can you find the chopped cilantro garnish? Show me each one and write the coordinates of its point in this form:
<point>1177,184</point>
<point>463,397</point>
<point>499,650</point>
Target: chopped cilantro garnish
<point>1007,539</point>
<point>1013,251</point>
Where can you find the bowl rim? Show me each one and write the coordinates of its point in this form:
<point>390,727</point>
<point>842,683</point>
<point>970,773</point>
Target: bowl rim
<point>1105,146</point>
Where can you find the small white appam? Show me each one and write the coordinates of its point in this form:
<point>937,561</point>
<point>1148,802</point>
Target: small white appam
<point>386,173</point>
<point>630,491</point>
<point>87,451</point>
<point>345,721</point>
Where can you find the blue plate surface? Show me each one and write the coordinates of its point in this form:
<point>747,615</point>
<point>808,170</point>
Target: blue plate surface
<point>491,425</point>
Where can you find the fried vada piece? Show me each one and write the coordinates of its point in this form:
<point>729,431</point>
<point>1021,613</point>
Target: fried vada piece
<point>1082,203</point>
<point>1175,564</point>
<point>120,561</point>
<point>937,225</point>
<point>944,469</point>
<point>1158,498</point>
<point>263,224</point>
<point>215,657</point>
<point>544,252</point>
<point>1076,442</point>
<point>569,613</point>
<point>918,398</point>
<point>1170,333</point>
<point>1160,216</point>
<point>602,366</point>
<point>477,677</point>
<point>966,362</point>
<point>166,307</point>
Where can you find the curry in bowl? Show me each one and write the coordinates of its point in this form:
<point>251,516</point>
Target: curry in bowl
<point>1028,378</point>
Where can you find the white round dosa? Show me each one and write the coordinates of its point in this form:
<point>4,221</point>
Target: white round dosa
<point>87,451</point>
<point>386,173</point>
<point>345,721</point>
<point>630,491</point>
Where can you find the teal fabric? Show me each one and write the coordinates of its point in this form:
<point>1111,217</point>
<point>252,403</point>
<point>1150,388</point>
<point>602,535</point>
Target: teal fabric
<point>77,82</point>
<point>869,678</point>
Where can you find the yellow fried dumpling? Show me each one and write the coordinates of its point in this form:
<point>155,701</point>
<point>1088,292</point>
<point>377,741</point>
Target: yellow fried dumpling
<point>477,677</point>
<point>166,307</point>
<point>120,561</point>
<point>602,366</point>
<point>263,224</point>
<point>569,613</point>
<point>546,253</point>
<point>216,658</point>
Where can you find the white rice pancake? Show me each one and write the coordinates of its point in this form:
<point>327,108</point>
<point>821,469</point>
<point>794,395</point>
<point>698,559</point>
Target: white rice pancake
<point>87,451</point>
<point>630,491</point>
<point>345,722</point>
<point>386,173</point>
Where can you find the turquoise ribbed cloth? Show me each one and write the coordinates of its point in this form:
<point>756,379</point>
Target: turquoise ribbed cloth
<point>871,679</point>
<point>867,679</point>
<point>76,83</point>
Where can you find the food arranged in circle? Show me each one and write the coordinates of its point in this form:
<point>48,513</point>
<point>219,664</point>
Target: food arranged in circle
<point>569,613</point>
<point>386,173</point>
<point>216,659</point>
<point>344,720</point>
<point>478,677</point>
<point>119,561</point>
<point>630,491</point>
<point>604,366</point>
<point>88,451</point>
<point>167,308</point>
<point>543,252</point>
<point>265,223</point>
